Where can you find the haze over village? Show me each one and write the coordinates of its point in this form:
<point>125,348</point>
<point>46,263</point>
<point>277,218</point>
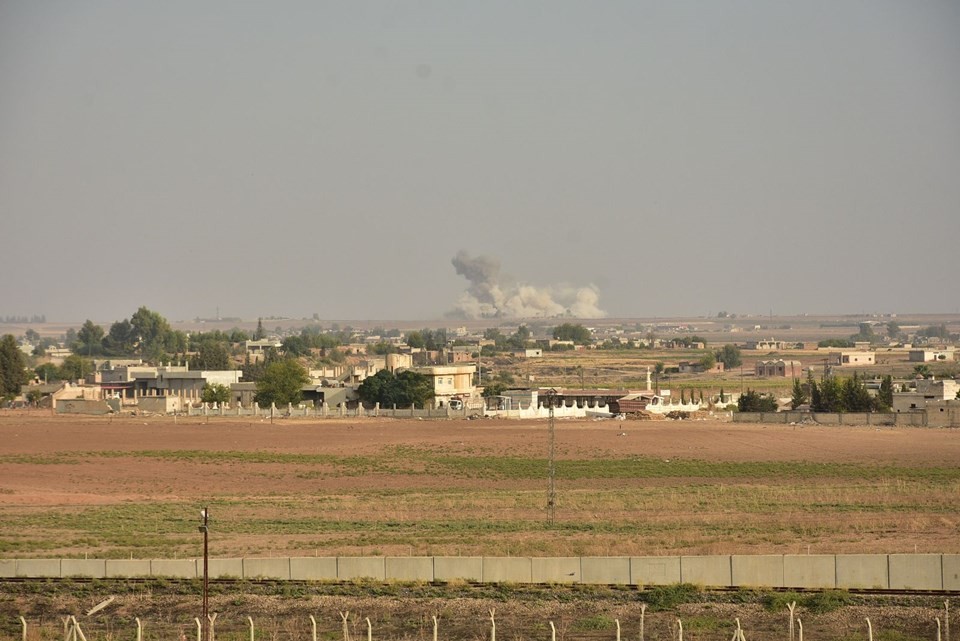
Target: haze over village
<point>322,319</point>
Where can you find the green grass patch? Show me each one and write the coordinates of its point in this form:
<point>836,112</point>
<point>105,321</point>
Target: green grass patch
<point>668,597</point>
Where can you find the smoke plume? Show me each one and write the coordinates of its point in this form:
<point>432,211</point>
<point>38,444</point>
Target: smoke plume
<point>491,295</point>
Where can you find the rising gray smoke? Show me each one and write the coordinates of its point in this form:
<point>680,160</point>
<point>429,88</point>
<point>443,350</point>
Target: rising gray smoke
<point>491,295</point>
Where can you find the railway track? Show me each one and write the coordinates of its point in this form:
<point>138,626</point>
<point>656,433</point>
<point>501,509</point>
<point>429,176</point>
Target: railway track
<point>279,583</point>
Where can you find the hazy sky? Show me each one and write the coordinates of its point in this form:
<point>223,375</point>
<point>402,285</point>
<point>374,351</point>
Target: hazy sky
<point>291,158</point>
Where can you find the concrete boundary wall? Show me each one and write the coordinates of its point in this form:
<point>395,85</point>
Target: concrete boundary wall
<point>919,418</point>
<point>931,572</point>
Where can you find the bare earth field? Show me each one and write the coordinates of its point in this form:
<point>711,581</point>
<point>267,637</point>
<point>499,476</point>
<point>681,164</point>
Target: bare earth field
<point>133,487</point>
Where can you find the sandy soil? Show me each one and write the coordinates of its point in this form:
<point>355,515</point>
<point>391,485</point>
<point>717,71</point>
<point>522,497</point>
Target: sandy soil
<point>41,476</point>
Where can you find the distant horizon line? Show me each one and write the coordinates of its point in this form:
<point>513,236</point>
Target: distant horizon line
<point>733,317</point>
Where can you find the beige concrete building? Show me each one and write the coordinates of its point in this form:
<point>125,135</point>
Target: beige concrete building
<point>852,358</point>
<point>450,381</point>
<point>926,392</point>
<point>931,355</point>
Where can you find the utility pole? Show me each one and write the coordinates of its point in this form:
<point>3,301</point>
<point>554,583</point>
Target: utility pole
<point>552,490</point>
<point>205,621</point>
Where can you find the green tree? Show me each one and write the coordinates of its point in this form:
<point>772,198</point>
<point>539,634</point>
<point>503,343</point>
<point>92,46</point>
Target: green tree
<point>415,340</point>
<point>799,395</point>
<point>893,329</point>
<point>13,367</point>
<point>751,401</point>
<point>708,361</point>
<point>34,396</point>
<point>865,333</point>
<point>211,356</point>
<point>729,355</point>
<point>260,333</point>
<point>884,399</point>
<point>403,389</point>
<point>152,333</point>
<point>934,331</point>
<point>47,372</point>
<point>215,393</point>
<point>32,336</point>
<point>856,397</point>
<point>295,346</point>
<point>89,339</point>
<point>835,342</point>
<point>577,333</point>
<point>281,383</point>
<point>121,340</point>
<point>831,395</point>
<point>382,348</point>
<point>494,388</point>
<point>75,367</point>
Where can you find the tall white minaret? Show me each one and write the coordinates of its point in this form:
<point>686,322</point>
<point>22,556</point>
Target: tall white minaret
<point>649,385</point>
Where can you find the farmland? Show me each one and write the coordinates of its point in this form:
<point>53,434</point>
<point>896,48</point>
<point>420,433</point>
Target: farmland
<point>132,487</point>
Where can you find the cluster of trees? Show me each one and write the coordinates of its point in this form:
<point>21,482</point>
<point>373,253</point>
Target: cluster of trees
<point>752,401</point>
<point>835,394</point>
<point>729,355</point>
<point>313,337</point>
<point>74,367</point>
<point>36,318</point>
<point>577,333</point>
<point>498,384</point>
<point>146,334</point>
<point>403,390</point>
<point>935,331</point>
<point>838,343</point>
<point>13,367</point>
<point>520,339</point>
<point>281,383</point>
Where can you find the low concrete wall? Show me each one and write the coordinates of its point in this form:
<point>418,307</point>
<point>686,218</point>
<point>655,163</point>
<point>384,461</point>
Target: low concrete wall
<point>881,571</point>
<point>950,571</point>
<point>40,568</point>
<point>222,568</point>
<point>810,571</point>
<point>409,568</point>
<point>862,571</point>
<point>96,568</point>
<point>458,568</point>
<point>512,569</point>
<point>555,570</point>
<point>127,568</point>
<point>711,571</point>
<point>655,570</point>
<point>919,418</point>
<point>176,568</point>
<point>8,568</point>
<point>83,406</point>
<point>915,571</point>
<point>361,567</point>
<point>308,568</point>
<point>611,570</point>
<point>756,571</point>
<point>266,568</point>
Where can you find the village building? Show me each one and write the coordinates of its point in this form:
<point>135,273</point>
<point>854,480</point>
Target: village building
<point>778,367</point>
<point>851,358</point>
<point>926,393</point>
<point>931,355</point>
<point>450,382</point>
